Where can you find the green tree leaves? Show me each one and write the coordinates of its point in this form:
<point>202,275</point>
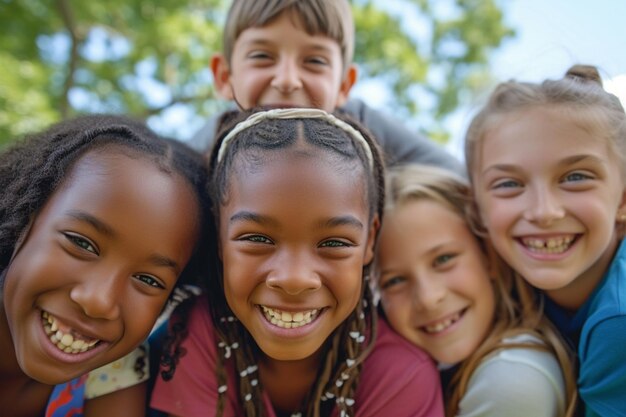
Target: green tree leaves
<point>59,58</point>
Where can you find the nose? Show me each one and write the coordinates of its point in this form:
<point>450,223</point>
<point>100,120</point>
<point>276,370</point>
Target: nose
<point>429,292</point>
<point>98,295</point>
<point>287,76</point>
<point>294,274</point>
<point>543,207</point>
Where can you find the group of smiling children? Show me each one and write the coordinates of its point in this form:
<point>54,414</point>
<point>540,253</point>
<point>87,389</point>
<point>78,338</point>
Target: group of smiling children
<point>330,285</point>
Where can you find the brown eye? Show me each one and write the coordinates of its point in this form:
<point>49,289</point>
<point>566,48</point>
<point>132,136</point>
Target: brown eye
<point>257,239</point>
<point>334,243</point>
<point>81,242</point>
<point>149,280</point>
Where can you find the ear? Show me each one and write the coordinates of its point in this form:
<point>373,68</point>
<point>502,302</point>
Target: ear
<point>221,76</point>
<point>346,85</point>
<point>371,240</point>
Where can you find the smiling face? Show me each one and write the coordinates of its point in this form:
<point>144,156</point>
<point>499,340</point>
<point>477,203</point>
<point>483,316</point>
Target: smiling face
<point>281,65</point>
<point>294,237</point>
<point>549,190</point>
<point>434,282</point>
<point>97,265</point>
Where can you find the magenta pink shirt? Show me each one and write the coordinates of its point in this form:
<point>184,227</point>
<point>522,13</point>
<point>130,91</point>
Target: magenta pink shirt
<point>397,378</point>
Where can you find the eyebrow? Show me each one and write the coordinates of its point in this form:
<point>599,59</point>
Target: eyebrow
<point>570,160</point>
<point>160,260</point>
<point>268,42</point>
<point>342,221</point>
<point>348,220</point>
<point>100,226</point>
<point>248,216</point>
<point>96,223</point>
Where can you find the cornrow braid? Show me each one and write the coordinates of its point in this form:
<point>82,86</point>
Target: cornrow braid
<point>349,344</point>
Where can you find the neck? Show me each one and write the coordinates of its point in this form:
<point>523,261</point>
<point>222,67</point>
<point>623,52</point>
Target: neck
<point>288,383</point>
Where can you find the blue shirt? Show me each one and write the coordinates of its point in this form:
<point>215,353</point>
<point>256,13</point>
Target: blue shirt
<point>598,330</point>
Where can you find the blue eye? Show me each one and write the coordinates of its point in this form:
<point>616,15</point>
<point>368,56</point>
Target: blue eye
<point>81,242</point>
<point>443,259</point>
<point>317,61</point>
<point>507,184</point>
<point>577,176</point>
<point>259,55</point>
<point>149,280</point>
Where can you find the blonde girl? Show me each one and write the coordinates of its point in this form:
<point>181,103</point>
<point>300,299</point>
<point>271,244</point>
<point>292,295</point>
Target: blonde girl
<point>443,289</point>
<point>547,167</point>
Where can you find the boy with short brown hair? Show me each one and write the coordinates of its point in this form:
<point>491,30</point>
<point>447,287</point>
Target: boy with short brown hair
<point>290,53</point>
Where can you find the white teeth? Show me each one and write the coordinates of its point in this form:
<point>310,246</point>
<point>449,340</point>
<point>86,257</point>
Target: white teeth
<point>549,246</point>
<point>442,325</point>
<point>289,320</point>
<point>66,340</point>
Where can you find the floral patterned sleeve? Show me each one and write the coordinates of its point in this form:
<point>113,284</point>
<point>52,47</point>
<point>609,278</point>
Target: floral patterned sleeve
<point>130,370</point>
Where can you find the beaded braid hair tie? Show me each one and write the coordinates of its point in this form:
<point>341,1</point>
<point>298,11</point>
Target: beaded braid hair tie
<point>296,113</point>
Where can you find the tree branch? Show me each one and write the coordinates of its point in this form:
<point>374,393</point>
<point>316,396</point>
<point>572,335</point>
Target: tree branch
<point>68,18</point>
<point>176,100</point>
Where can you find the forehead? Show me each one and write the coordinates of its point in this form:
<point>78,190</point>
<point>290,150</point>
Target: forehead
<point>275,31</point>
<point>416,218</point>
<point>104,180</point>
<point>296,176</point>
<point>542,131</point>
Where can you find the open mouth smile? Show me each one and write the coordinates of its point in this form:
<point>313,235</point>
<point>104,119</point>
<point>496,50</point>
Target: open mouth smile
<point>65,338</point>
<point>289,320</point>
<point>554,245</point>
<point>440,326</point>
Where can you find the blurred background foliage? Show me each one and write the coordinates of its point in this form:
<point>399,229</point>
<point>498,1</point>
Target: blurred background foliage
<point>149,59</point>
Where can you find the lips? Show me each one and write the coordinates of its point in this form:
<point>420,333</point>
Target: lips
<point>441,325</point>
<point>64,337</point>
<point>289,319</point>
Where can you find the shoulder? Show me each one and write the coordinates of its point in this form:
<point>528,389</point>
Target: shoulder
<point>389,342</point>
<point>125,372</point>
<point>194,387</point>
<point>67,397</point>
<point>602,373</point>
<point>398,379</point>
<point>516,382</point>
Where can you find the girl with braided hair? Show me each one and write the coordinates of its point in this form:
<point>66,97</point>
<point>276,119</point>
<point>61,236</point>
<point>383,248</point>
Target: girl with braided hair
<point>288,327</point>
<point>99,218</point>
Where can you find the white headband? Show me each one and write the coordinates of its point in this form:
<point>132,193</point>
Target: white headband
<point>296,113</point>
